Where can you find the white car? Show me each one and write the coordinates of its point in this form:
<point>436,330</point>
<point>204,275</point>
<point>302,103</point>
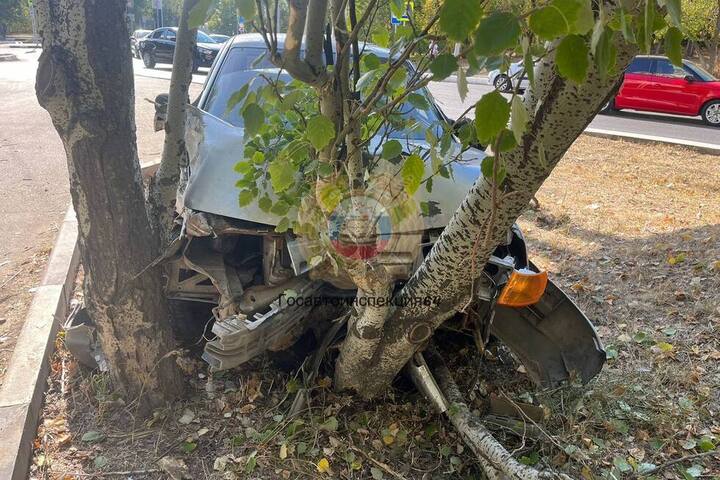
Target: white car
<point>506,81</point>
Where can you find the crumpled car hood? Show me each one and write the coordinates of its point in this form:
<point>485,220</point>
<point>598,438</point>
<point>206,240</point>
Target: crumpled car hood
<point>214,147</point>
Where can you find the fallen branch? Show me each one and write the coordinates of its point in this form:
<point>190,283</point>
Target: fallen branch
<point>497,462</point>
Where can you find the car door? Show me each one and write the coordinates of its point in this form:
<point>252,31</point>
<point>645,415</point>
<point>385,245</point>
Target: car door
<point>166,46</point>
<point>637,84</point>
<point>674,92</point>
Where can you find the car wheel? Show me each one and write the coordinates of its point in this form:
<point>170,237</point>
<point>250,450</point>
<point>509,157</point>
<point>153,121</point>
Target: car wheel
<point>148,60</point>
<point>711,113</point>
<point>610,106</point>
<point>503,83</point>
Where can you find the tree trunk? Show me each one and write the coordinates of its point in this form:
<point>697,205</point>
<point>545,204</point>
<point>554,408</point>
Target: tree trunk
<point>164,186</point>
<point>85,82</point>
<point>561,110</point>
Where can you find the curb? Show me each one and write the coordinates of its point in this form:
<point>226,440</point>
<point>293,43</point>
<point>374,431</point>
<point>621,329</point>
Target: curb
<point>7,57</point>
<point>22,391</point>
<point>712,149</point>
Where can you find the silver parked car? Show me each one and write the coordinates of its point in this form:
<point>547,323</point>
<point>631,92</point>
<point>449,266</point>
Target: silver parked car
<point>506,81</point>
<point>231,258</point>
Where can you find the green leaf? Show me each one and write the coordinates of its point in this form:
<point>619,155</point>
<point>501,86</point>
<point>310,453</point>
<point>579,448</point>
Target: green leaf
<point>498,32</point>
<point>507,141</point>
<point>199,13</point>
<point>673,45</point>
<point>462,84</point>
<point>622,464</point>
<point>412,172</point>
<point>283,225</point>
<point>626,26</point>
<point>572,58</point>
<point>492,113</point>
<point>330,425</point>
<point>391,149</point>
<point>443,66</point>
<point>418,101</point>
<point>487,167</point>
<point>253,118</point>
<point>265,203</point>
<point>706,444</point>
<point>281,208</point>
<point>674,10</point>
<point>246,9</point>
<point>562,17</point>
<point>188,447</point>
<point>519,118</point>
<point>646,26</point>
<point>320,130</point>
<point>605,53</point>
<point>381,38</point>
<point>370,61</point>
<point>92,436</point>
<point>548,23</point>
<point>245,197</point>
<point>459,17</point>
<point>282,174</point>
<point>100,461</point>
<point>243,168</point>
<point>236,98</point>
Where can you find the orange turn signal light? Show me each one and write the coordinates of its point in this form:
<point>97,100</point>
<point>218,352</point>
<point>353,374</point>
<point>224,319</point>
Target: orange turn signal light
<point>523,288</point>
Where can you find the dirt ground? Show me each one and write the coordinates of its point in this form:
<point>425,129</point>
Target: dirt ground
<point>631,232</point>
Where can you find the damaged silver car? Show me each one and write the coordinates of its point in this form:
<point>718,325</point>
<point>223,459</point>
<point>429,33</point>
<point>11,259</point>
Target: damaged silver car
<point>233,259</point>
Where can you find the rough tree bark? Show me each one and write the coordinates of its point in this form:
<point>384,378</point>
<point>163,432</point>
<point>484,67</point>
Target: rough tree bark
<point>85,82</point>
<point>163,189</point>
<point>560,110</point>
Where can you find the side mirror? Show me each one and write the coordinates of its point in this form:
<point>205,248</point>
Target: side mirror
<point>689,78</point>
<point>161,102</point>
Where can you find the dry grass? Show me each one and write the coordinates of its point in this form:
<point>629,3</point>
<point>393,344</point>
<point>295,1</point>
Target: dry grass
<point>633,234</point>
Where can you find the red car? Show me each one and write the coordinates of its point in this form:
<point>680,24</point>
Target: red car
<point>654,84</point>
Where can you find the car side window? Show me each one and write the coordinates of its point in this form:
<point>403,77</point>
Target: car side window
<point>667,69</point>
<point>642,66</point>
<point>169,35</point>
<point>157,34</point>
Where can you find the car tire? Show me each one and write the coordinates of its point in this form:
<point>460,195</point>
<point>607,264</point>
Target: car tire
<point>503,83</point>
<point>711,113</point>
<point>148,60</point>
<point>610,106</point>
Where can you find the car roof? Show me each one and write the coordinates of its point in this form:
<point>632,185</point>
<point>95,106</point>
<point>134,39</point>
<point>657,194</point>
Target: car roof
<point>256,40</point>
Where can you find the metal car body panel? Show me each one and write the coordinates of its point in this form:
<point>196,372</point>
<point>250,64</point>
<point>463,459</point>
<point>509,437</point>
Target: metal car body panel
<point>553,339</point>
<point>213,147</point>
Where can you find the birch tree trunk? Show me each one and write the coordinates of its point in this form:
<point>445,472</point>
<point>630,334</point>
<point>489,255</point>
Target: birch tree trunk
<point>560,110</point>
<point>85,82</point>
<point>164,186</point>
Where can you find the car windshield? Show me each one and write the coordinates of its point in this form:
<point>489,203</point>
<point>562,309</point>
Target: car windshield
<point>243,64</point>
<point>701,72</point>
<point>203,37</point>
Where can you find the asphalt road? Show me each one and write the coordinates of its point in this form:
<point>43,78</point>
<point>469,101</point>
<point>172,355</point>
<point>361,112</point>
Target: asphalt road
<point>629,122</point>
<point>34,189</point>
<point>691,129</point>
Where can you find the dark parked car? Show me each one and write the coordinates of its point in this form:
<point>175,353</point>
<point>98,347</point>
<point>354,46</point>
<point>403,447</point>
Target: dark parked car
<point>654,84</point>
<point>159,47</point>
<point>135,38</point>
